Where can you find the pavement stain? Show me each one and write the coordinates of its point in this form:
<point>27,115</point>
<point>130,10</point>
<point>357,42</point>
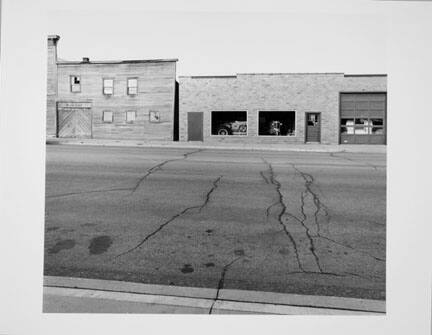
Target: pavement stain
<point>187,268</point>
<point>61,245</point>
<point>209,264</point>
<point>239,252</point>
<point>99,245</point>
<point>52,229</point>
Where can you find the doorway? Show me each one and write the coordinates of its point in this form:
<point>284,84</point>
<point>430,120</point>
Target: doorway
<point>313,127</point>
<point>195,126</point>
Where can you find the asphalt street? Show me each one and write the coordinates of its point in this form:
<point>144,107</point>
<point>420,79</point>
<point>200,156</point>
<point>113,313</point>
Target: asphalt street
<point>292,222</point>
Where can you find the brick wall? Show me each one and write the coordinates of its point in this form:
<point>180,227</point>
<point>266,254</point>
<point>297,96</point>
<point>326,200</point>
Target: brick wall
<point>273,92</point>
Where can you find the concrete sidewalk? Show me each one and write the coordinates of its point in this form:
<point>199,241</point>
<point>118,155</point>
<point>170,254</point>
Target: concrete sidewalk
<point>380,149</point>
<point>80,295</point>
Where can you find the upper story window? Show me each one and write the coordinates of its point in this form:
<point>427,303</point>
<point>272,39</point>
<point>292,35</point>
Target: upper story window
<point>75,84</point>
<point>108,86</point>
<point>132,86</point>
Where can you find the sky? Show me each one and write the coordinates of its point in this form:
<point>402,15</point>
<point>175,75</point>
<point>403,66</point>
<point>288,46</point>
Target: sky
<point>227,42</point>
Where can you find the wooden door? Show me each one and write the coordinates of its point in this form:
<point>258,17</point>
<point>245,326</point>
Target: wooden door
<point>76,123</point>
<point>313,127</point>
<point>195,126</point>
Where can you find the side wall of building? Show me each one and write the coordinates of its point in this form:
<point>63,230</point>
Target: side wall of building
<point>51,120</point>
<point>301,93</point>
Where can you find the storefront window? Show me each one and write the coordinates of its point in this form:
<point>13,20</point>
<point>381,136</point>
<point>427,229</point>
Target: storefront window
<point>229,123</point>
<point>276,123</point>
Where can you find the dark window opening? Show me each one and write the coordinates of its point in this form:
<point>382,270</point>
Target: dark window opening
<point>276,124</point>
<point>229,123</point>
<point>75,84</point>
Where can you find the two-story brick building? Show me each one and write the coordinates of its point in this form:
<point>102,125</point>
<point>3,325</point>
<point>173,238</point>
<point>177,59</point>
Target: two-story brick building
<point>129,99</point>
<point>140,99</point>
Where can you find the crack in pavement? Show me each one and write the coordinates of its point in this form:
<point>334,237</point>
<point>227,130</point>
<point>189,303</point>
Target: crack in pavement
<point>308,235</point>
<point>157,167</point>
<point>277,185</point>
<point>174,217</point>
<point>133,188</point>
<point>319,206</point>
<point>222,281</point>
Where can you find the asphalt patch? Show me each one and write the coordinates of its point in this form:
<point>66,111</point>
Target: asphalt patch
<point>100,244</point>
<point>61,245</point>
<point>239,252</point>
<point>187,268</point>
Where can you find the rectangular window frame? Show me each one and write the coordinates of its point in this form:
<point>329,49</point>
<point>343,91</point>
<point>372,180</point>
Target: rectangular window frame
<point>103,116</point>
<point>228,111</point>
<point>71,84</point>
<point>129,87</point>
<point>282,111</point>
<point>103,86</point>
<point>126,116</point>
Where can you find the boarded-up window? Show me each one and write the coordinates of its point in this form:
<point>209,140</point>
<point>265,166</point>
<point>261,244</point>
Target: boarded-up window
<point>154,116</point>
<point>132,86</point>
<point>75,84</point>
<point>107,116</point>
<point>130,116</point>
<point>108,86</point>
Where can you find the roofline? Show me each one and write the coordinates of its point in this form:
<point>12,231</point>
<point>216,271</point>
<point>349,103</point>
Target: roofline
<point>128,61</point>
<point>366,75</point>
<point>263,74</point>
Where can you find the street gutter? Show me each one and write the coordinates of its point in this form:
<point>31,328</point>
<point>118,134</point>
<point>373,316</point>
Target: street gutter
<point>177,299</point>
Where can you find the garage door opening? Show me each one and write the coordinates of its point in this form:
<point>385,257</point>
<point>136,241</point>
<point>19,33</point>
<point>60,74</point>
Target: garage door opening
<point>363,118</point>
<point>226,123</point>
<point>273,123</point>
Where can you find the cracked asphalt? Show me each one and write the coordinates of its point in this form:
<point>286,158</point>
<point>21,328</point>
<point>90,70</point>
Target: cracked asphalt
<point>293,222</point>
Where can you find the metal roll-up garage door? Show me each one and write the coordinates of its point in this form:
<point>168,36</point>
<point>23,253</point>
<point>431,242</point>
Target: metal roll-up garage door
<point>363,118</point>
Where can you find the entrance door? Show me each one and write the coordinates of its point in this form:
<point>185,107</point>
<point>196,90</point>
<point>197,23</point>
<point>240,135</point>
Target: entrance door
<point>313,127</point>
<point>75,123</point>
<point>195,126</point>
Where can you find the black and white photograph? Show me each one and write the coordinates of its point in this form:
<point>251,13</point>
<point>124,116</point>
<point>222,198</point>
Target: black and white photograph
<point>220,160</point>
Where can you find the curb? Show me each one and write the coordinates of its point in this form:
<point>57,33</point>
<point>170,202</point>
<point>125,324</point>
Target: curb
<point>295,148</point>
<point>210,300</point>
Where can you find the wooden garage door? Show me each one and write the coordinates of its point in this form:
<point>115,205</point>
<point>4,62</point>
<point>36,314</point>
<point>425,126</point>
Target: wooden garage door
<point>363,118</point>
<point>75,123</point>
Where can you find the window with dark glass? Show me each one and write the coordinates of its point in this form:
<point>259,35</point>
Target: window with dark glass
<point>226,123</point>
<point>276,123</point>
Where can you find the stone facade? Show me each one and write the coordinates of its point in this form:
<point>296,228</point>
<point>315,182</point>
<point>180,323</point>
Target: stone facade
<point>156,94</point>
<point>302,93</point>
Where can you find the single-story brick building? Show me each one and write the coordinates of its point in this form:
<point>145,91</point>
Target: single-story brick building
<point>141,99</point>
<point>329,108</point>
